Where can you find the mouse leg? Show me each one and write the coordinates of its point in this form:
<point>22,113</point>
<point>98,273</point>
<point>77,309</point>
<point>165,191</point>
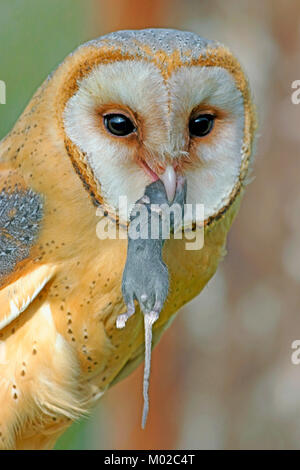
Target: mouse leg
<point>122,319</point>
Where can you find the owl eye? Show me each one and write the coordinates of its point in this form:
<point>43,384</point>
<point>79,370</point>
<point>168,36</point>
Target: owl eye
<point>201,125</point>
<point>118,124</point>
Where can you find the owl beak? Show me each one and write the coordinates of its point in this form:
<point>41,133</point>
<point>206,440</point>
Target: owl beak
<point>169,180</point>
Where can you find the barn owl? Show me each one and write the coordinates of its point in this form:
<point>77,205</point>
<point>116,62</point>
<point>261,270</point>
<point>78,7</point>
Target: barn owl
<point>118,113</point>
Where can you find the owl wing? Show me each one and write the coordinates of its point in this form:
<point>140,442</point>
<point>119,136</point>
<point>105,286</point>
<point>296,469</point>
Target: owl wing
<point>17,296</point>
<point>21,279</point>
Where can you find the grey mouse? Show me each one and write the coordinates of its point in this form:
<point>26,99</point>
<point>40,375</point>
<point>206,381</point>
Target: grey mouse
<point>145,276</point>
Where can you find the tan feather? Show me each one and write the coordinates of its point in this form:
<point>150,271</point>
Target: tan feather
<point>16,297</point>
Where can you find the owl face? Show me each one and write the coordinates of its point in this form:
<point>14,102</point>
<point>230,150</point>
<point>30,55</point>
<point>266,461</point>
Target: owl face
<point>157,104</point>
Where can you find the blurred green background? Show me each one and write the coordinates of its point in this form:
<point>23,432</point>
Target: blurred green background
<point>35,36</point>
<point>222,375</point>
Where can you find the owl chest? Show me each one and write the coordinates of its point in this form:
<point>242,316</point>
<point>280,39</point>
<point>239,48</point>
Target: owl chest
<point>86,304</point>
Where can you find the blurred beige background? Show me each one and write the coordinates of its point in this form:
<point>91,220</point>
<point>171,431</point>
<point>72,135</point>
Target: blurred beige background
<point>222,376</point>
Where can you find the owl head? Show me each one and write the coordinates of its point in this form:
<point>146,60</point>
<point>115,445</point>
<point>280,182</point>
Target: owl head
<point>135,106</point>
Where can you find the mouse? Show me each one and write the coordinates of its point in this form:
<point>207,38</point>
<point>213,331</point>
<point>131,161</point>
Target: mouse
<point>145,277</point>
